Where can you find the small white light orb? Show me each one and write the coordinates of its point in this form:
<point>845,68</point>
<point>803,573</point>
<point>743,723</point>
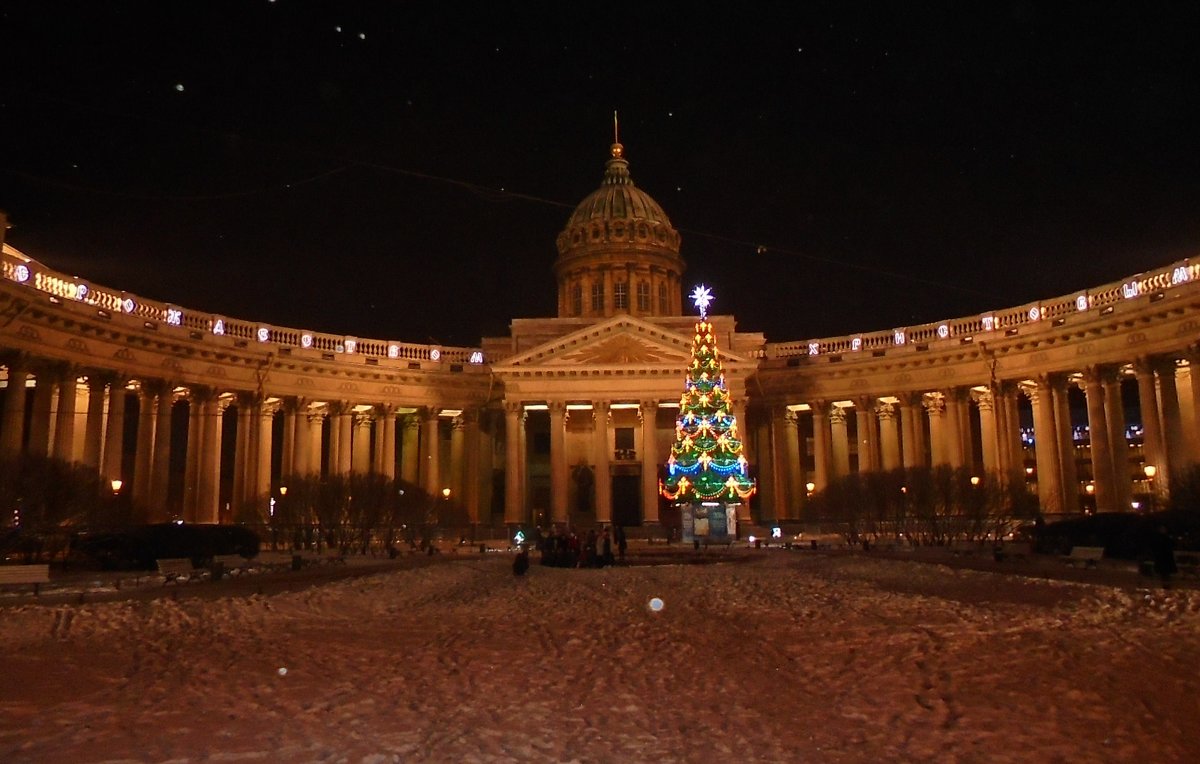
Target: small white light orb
<point>283,671</point>
<point>656,604</point>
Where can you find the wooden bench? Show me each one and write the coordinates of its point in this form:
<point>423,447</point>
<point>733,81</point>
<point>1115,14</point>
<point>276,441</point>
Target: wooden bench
<point>176,569</point>
<point>16,575</point>
<point>1086,556</point>
<point>270,560</point>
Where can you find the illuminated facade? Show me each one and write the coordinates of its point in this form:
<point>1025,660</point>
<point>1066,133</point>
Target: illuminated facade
<point>571,418</point>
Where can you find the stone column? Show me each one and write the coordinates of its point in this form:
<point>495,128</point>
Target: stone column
<point>262,496</point>
<point>360,459</point>
<point>287,446</point>
<point>889,435</point>
<point>316,427</point>
<point>558,462</point>
<point>333,451</point>
<point>1174,439</point>
<point>114,433</point>
<point>93,429</point>
<point>989,446</point>
<point>301,462</point>
<point>513,418</point>
<point>767,469</point>
<point>160,472</point>
<point>387,418</point>
<point>197,400</point>
<point>1010,434</point>
<point>1066,445</point>
<point>913,444</point>
<point>1049,474</point>
<point>143,461</point>
<point>208,501</point>
<point>12,419</point>
<point>935,409</point>
<point>64,421</point>
<point>1103,473</point>
<point>864,414</point>
<point>469,472</point>
<point>952,445</point>
<point>43,414</point>
<point>840,442</point>
<point>242,477</point>
<point>345,439</point>
<point>1114,414</point>
<point>602,448</point>
<point>822,445</point>
<point>409,453</point>
<point>430,452</point>
<point>1153,450</point>
<point>1193,356</point>
<point>649,415</point>
<point>454,478</point>
<point>794,467</point>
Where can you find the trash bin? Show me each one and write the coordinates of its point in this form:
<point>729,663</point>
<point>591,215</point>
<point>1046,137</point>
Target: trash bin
<point>297,562</point>
<point>216,570</point>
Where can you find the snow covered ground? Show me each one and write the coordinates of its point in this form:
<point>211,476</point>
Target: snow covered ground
<point>768,657</point>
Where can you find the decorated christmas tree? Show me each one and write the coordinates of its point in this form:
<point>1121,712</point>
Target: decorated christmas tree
<point>706,462</point>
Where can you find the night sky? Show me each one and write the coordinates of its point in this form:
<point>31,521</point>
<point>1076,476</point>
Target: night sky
<point>400,170</point>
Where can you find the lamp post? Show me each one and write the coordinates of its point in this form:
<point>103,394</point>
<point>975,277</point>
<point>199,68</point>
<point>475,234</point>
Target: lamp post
<point>116,485</point>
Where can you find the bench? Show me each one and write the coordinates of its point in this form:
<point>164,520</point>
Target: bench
<point>273,560</point>
<point>15,575</point>
<point>176,569</point>
<point>1087,556</point>
<point>960,548</point>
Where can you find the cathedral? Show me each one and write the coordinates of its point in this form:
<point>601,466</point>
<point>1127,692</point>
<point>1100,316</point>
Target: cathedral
<point>1086,398</point>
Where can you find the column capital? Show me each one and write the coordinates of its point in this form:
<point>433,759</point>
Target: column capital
<point>791,418</point>
<point>315,416</point>
<point>270,407</point>
<point>820,408</point>
<point>363,419</point>
<point>934,403</point>
<point>557,408</point>
<point>911,398</point>
<point>885,410</point>
<point>410,421</point>
<point>984,399</point>
<point>837,415</point>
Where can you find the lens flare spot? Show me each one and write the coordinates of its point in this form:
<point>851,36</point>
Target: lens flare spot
<point>656,604</point>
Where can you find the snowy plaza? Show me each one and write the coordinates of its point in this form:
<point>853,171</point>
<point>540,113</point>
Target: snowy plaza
<point>757,655</point>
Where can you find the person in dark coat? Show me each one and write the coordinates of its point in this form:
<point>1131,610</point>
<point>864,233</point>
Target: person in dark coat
<point>622,542</point>
<point>1162,549</point>
<point>521,562</point>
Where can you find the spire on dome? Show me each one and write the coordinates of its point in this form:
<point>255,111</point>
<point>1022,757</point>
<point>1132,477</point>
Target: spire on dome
<point>617,149</point>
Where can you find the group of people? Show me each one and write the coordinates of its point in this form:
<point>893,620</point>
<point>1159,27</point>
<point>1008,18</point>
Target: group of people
<point>565,549</point>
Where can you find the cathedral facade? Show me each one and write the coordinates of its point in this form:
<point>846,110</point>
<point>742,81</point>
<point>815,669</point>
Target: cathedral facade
<point>1088,398</point>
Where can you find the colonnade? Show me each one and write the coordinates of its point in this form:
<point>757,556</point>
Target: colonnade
<point>980,427</point>
<point>79,415</point>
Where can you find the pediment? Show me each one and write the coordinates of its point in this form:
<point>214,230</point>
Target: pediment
<point>619,341</point>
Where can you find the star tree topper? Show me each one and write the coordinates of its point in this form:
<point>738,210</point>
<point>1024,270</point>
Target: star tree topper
<point>702,297</point>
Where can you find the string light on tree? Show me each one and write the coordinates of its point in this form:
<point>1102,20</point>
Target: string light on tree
<point>706,461</point>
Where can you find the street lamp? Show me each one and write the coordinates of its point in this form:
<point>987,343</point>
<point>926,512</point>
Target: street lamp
<point>810,487</point>
<point>1150,471</point>
<point>116,485</point>
<point>283,490</point>
<point>974,480</point>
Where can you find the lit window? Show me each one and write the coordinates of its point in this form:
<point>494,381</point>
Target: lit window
<point>621,295</point>
<point>577,300</point>
<point>662,299</point>
<point>598,296</point>
<point>643,294</point>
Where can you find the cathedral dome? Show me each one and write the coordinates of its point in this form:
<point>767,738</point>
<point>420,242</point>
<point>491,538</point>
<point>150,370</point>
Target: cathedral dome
<point>618,252</point>
<point>617,213</point>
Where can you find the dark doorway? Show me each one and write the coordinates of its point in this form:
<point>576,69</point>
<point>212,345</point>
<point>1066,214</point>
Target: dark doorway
<point>627,500</point>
